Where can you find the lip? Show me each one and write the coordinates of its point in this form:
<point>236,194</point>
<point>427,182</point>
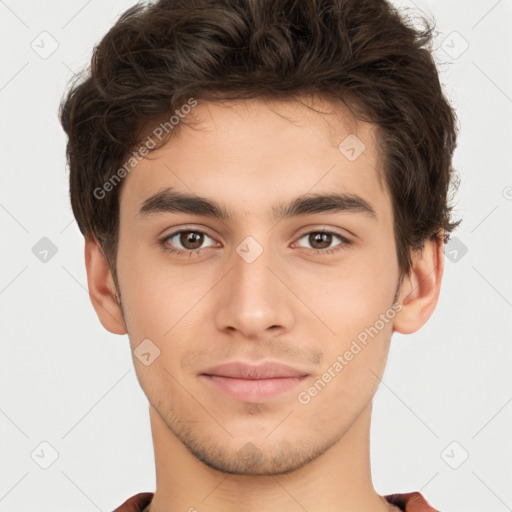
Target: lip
<point>253,383</point>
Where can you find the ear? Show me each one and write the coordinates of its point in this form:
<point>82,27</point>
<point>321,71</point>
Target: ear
<point>420,289</point>
<point>102,288</point>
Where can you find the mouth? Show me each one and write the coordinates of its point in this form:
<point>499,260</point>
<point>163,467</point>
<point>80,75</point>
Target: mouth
<point>251,383</point>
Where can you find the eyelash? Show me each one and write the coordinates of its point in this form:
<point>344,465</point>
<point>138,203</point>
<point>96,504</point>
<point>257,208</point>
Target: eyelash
<point>341,247</point>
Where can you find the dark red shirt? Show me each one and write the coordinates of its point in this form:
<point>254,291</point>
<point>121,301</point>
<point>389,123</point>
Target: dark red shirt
<point>410,502</point>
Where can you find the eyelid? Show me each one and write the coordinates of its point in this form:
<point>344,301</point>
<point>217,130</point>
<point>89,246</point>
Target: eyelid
<point>199,229</point>
<point>296,235</point>
<point>343,233</point>
<point>164,239</point>
<point>345,241</point>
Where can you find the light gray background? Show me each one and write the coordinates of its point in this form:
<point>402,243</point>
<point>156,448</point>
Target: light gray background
<point>68,382</point>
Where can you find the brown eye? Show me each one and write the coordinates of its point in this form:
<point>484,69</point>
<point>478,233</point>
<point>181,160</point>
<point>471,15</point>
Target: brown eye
<point>321,240</point>
<point>191,239</point>
<point>185,241</point>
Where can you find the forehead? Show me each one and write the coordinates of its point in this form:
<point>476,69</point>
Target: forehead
<point>249,152</point>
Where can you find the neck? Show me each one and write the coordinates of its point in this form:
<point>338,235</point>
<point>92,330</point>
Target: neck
<point>337,480</point>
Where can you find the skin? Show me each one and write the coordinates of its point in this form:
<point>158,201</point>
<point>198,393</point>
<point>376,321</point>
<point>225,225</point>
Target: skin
<point>293,305</point>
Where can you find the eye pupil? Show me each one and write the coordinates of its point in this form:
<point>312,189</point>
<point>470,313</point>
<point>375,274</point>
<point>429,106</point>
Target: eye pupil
<point>320,238</point>
<point>191,239</point>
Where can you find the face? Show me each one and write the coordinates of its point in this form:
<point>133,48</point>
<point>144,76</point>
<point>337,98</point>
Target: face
<point>310,287</point>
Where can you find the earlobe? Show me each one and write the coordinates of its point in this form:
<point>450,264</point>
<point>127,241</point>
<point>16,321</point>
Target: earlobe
<point>420,289</point>
<point>102,291</point>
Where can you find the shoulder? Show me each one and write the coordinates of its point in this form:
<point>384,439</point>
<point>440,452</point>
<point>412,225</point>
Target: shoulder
<point>136,503</point>
<point>410,502</point>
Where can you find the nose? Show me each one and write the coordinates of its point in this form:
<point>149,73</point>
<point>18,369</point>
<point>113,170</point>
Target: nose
<point>254,299</point>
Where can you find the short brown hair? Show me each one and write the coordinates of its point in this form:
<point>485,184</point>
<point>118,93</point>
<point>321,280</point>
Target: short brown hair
<point>363,53</point>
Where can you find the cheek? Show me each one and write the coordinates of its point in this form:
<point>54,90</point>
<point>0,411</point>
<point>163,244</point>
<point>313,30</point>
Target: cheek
<point>154,293</point>
<point>354,300</point>
<point>351,295</point>
<point>347,296</point>
<point>353,362</point>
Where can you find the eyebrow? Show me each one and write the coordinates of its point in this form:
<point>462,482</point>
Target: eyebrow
<point>170,201</point>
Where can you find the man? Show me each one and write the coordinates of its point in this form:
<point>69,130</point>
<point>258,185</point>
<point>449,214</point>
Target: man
<point>262,187</point>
